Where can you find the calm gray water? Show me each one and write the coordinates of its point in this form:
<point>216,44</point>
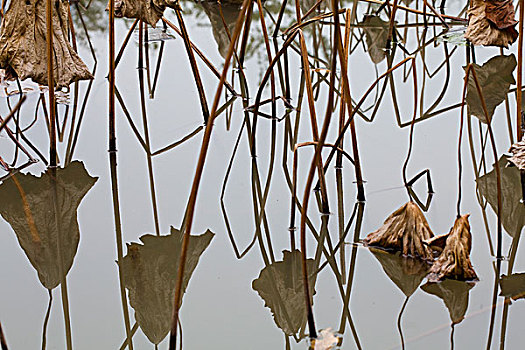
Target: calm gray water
<point>221,309</point>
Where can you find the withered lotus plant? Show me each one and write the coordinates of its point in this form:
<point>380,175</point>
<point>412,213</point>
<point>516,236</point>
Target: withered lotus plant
<point>23,44</point>
<point>491,23</point>
<point>454,261</point>
<point>404,230</point>
<point>518,154</point>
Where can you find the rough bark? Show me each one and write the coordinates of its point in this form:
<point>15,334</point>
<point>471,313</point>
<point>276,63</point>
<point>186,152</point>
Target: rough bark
<point>454,261</point>
<point>404,231</point>
<point>23,44</point>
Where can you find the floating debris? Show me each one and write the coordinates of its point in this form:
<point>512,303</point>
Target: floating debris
<point>326,340</point>
<point>454,261</point>
<point>280,285</point>
<point>43,213</point>
<point>404,231</point>
<point>494,77</point>
<point>491,23</point>
<point>23,44</point>
<point>149,272</point>
<point>455,294</point>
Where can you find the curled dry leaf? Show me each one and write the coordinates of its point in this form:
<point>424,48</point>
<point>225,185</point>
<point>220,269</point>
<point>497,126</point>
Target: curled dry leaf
<point>455,294</point>
<point>23,44</point>
<point>43,213</point>
<point>518,154</point>
<point>149,11</point>
<point>513,286</point>
<point>406,272</point>
<point>404,230</point>
<point>376,35</point>
<point>491,23</point>
<point>149,272</point>
<point>512,210</point>
<point>454,261</point>
<point>494,77</point>
<point>280,285</point>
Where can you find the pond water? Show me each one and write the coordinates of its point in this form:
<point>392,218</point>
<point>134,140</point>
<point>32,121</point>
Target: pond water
<point>243,283</point>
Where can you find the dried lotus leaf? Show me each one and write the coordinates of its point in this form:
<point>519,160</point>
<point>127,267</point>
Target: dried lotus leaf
<point>482,31</point>
<point>518,154</point>
<point>404,231</point>
<point>454,261</point>
<point>376,35</point>
<point>280,285</point>
<point>45,221</point>
<point>455,294</point>
<point>406,272</point>
<point>513,286</point>
<point>149,272</point>
<point>23,44</point>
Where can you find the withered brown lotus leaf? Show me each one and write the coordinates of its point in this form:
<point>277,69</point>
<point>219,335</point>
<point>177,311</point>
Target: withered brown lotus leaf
<point>455,294</point>
<point>454,261</point>
<point>280,285</point>
<point>149,11</point>
<point>437,243</point>
<point>513,286</point>
<point>406,272</point>
<point>518,154</point>
<point>404,230</point>
<point>376,35</point>
<point>495,78</point>
<point>45,221</point>
<point>149,272</point>
<point>485,18</point>
<point>23,44</point>
<point>501,13</point>
<point>512,210</point>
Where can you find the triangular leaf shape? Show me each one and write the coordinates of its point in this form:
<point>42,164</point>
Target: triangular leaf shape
<point>45,221</point>
<point>149,272</point>
<point>455,294</point>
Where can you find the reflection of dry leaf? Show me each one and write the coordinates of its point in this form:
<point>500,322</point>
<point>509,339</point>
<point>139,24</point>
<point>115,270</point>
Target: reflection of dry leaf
<point>230,11</point>
<point>455,295</point>
<point>376,35</point>
<point>406,272</point>
<point>513,211</point>
<point>495,78</point>
<point>404,231</point>
<point>454,261</point>
<point>23,44</point>
<point>281,286</point>
<point>45,222</point>
<point>518,154</point>
<point>490,23</point>
<point>513,286</point>
<point>149,272</point>
<point>326,340</point>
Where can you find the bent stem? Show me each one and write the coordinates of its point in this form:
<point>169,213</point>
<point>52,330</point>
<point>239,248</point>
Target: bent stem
<point>197,178</point>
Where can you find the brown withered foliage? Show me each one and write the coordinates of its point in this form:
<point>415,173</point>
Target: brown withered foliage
<point>518,154</point>
<point>513,286</point>
<point>491,23</point>
<point>149,11</point>
<point>454,261</point>
<point>404,230</point>
<point>455,295</point>
<point>23,44</point>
